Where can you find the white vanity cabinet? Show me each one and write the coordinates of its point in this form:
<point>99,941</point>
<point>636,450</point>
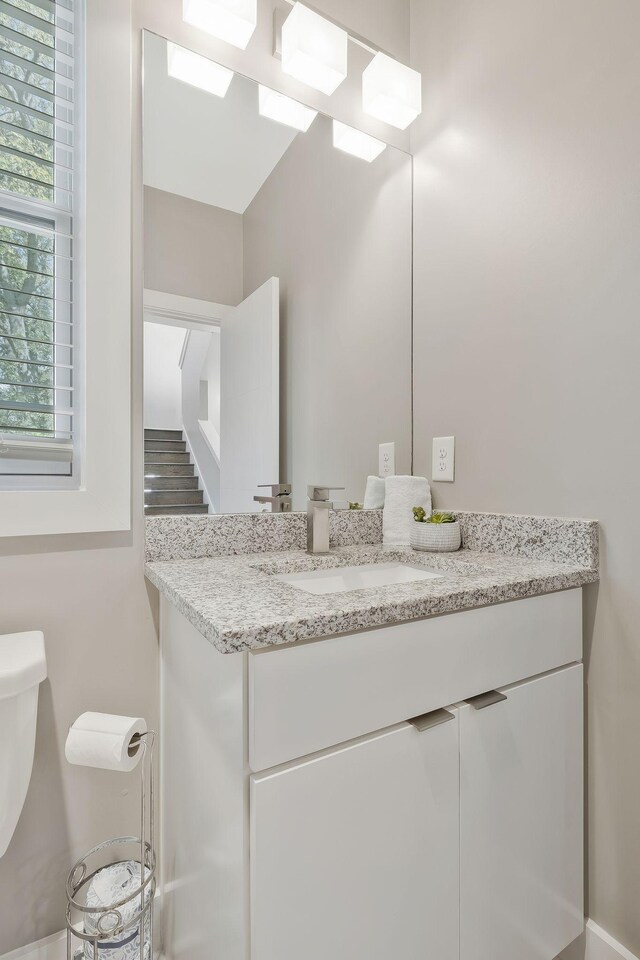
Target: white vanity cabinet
<point>343,799</point>
<point>521,823</point>
<point>354,852</point>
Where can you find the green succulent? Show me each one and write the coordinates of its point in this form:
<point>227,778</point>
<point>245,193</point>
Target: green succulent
<point>355,506</point>
<point>438,516</point>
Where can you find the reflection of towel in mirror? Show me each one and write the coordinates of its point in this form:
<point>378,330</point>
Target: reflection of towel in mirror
<point>374,494</point>
<point>402,494</point>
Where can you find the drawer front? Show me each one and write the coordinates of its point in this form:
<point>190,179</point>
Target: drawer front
<point>310,696</point>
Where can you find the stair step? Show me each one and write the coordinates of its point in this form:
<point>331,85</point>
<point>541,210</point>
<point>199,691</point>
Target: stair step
<point>176,509</point>
<point>152,470</point>
<point>168,446</point>
<point>152,434</point>
<point>172,497</point>
<point>170,483</point>
<point>159,456</point>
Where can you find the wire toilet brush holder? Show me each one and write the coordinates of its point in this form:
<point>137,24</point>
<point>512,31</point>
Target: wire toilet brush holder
<point>122,929</point>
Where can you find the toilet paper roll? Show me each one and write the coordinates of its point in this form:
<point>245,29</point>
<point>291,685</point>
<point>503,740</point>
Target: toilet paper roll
<point>103,740</point>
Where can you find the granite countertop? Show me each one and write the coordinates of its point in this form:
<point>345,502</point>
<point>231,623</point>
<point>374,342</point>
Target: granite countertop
<point>236,603</point>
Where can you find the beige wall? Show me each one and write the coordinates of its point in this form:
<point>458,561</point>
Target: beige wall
<point>191,249</point>
<point>337,232</point>
<point>527,232</point>
<point>88,593</point>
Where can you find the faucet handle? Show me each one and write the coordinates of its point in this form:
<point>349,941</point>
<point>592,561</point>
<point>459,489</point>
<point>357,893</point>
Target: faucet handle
<point>277,489</point>
<point>315,492</point>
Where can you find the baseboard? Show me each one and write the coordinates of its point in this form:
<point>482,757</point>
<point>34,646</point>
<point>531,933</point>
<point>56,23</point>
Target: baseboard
<point>596,944</point>
<point>50,948</point>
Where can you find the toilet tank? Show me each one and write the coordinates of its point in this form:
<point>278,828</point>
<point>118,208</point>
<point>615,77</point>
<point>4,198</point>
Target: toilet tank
<point>23,667</point>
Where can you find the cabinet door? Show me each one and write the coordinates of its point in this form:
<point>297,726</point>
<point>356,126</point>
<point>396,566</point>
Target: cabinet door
<point>354,851</point>
<point>521,821</point>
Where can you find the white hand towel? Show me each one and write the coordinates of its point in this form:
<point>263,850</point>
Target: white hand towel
<point>402,494</point>
<point>374,494</point>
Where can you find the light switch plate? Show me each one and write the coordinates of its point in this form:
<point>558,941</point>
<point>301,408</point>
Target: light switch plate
<point>386,459</point>
<point>443,461</point>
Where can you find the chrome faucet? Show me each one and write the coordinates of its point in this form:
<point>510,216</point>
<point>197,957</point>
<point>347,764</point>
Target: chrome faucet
<point>318,509</point>
<point>280,498</point>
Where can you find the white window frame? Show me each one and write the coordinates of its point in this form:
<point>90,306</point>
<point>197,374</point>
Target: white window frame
<point>102,297</point>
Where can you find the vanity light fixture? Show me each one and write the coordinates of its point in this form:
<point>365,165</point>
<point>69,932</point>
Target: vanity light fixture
<point>356,142</point>
<point>391,91</point>
<point>230,20</point>
<point>283,109</point>
<point>314,50</point>
<point>190,67</point>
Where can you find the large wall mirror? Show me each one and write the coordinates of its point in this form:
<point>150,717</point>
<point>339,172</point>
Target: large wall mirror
<point>277,320</point>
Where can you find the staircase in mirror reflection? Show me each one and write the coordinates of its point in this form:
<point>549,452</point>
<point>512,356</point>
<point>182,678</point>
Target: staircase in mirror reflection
<point>171,483</point>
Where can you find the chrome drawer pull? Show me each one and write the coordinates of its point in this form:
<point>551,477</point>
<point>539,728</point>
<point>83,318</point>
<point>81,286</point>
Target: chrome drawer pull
<point>485,699</point>
<point>433,719</point>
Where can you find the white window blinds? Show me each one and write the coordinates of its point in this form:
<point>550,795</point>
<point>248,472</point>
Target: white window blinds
<point>38,207</point>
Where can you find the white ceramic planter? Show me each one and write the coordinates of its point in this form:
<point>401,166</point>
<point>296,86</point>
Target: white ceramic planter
<point>435,537</point>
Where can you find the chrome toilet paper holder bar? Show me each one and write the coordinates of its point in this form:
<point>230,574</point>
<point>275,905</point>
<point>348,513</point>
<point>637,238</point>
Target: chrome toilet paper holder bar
<point>117,924</point>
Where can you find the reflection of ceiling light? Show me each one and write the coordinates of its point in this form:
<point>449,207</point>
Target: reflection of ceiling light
<point>285,110</point>
<point>190,67</point>
<point>391,91</point>
<point>356,142</point>
<point>231,20</point>
<point>313,49</point>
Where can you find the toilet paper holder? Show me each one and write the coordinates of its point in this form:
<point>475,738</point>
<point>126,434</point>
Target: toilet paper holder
<point>121,928</point>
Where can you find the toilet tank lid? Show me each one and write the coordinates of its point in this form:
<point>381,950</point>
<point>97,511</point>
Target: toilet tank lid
<point>22,662</point>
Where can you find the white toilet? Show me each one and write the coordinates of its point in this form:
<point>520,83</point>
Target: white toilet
<point>23,667</point>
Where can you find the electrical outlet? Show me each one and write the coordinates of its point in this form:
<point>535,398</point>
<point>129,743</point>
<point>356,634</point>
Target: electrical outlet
<point>386,459</point>
<point>444,458</point>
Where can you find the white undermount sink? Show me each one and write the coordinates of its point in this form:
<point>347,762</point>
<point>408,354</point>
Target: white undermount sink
<point>342,579</point>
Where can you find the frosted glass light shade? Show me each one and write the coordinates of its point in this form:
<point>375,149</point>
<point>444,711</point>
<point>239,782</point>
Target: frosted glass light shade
<point>276,106</point>
<point>314,50</point>
<point>391,91</point>
<point>190,67</point>
<point>356,142</point>
<point>230,20</point>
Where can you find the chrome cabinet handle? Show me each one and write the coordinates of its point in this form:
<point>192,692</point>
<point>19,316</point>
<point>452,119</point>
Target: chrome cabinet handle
<point>485,699</point>
<point>429,720</point>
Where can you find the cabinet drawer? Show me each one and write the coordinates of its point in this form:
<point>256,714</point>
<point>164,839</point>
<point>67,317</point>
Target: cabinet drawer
<point>354,852</point>
<point>310,696</point>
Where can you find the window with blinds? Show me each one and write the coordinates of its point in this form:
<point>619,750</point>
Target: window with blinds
<point>38,143</point>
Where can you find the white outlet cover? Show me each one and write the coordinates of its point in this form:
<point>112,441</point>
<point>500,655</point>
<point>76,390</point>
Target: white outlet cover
<point>386,460</point>
<point>443,459</point>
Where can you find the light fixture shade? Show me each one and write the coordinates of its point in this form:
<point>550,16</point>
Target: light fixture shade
<point>356,142</point>
<point>190,67</point>
<point>314,50</point>
<point>391,91</point>
<point>276,106</point>
<point>230,20</point>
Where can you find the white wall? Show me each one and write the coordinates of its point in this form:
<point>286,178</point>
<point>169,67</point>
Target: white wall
<point>163,376</point>
<point>207,465</point>
<point>527,232</point>
<point>211,373</point>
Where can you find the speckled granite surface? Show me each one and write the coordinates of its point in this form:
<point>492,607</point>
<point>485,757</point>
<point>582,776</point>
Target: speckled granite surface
<point>539,538</point>
<point>182,538</point>
<point>237,605</point>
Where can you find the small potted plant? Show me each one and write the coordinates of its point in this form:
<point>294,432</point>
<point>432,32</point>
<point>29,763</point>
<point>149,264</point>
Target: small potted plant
<point>439,532</point>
